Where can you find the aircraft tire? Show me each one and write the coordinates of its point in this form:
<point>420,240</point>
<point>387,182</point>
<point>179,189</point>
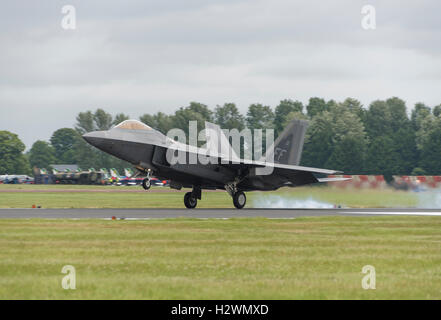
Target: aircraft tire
<point>146,184</point>
<point>190,201</point>
<point>239,200</point>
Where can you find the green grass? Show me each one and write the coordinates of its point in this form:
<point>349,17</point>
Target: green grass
<point>109,200</point>
<point>306,258</point>
<point>123,197</point>
<point>50,187</point>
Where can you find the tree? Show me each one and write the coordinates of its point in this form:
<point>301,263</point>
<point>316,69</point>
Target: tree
<point>194,112</point>
<point>336,139</point>
<point>317,106</point>
<point>120,117</point>
<point>260,117</point>
<point>87,156</point>
<point>318,143</point>
<point>63,141</point>
<point>419,113</point>
<point>355,106</point>
<point>378,119</point>
<point>160,121</point>
<point>381,157</point>
<point>88,121</point>
<point>397,108</point>
<point>431,149</point>
<point>437,110</point>
<point>282,110</point>
<point>229,117</point>
<point>164,122</point>
<point>42,154</point>
<point>149,120</point>
<point>103,120</point>
<point>387,122</point>
<point>85,122</point>
<point>12,159</point>
<point>418,172</point>
<point>294,115</point>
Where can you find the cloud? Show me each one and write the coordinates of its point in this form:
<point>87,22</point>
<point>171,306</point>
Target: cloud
<point>148,56</point>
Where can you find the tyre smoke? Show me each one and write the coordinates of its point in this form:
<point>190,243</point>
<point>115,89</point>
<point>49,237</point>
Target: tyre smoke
<point>429,199</point>
<point>284,202</point>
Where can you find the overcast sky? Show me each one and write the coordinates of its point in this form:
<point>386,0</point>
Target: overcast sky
<point>146,56</point>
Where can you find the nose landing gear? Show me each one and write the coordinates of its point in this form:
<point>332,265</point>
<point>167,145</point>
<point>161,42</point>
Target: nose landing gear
<point>191,198</point>
<point>146,184</point>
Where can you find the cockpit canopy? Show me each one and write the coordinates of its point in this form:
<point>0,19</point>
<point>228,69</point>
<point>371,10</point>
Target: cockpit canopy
<point>132,125</point>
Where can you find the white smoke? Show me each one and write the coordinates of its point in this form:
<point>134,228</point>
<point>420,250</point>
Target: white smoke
<point>284,202</point>
<point>430,199</point>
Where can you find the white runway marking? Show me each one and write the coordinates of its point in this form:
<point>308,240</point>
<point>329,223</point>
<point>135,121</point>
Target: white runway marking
<point>401,213</point>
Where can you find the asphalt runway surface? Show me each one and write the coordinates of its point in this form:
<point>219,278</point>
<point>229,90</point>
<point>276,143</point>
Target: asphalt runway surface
<point>203,213</point>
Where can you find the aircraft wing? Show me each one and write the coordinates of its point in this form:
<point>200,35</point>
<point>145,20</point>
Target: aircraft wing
<point>295,175</point>
<point>279,168</point>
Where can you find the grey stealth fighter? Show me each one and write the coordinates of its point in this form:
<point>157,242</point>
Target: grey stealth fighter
<point>148,150</point>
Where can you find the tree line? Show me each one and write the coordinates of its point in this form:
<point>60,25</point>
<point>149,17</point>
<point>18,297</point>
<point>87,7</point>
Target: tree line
<point>382,138</point>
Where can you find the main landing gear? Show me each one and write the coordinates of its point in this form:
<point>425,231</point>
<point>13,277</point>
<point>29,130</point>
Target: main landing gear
<point>239,198</point>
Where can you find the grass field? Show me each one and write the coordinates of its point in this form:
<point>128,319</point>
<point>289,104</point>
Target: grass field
<point>317,258</point>
<point>304,258</point>
<point>132,197</point>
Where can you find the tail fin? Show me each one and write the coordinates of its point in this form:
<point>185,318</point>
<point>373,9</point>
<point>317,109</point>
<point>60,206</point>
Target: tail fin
<point>114,173</point>
<point>128,172</point>
<point>217,142</point>
<point>289,144</point>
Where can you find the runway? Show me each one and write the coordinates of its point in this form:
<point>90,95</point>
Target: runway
<point>203,213</point>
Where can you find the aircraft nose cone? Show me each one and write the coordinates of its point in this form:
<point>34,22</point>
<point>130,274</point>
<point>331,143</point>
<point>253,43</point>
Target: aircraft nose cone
<point>95,138</point>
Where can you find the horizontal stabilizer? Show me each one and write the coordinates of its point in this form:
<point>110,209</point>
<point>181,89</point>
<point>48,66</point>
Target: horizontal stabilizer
<point>333,179</point>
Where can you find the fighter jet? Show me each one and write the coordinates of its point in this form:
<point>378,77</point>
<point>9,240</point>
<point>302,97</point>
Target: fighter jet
<point>149,151</point>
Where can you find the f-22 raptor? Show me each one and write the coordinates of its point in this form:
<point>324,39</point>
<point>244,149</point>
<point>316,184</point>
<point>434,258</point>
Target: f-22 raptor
<point>149,151</point>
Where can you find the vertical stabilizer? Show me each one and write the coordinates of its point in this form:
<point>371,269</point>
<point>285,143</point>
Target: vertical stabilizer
<point>289,144</point>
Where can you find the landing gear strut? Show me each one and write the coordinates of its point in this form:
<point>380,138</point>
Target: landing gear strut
<point>239,198</point>
<point>191,198</point>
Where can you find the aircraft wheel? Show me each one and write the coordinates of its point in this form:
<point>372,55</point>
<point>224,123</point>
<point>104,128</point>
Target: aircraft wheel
<point>146,184</point>
<point>239,200</point>
<point>190,200</point>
